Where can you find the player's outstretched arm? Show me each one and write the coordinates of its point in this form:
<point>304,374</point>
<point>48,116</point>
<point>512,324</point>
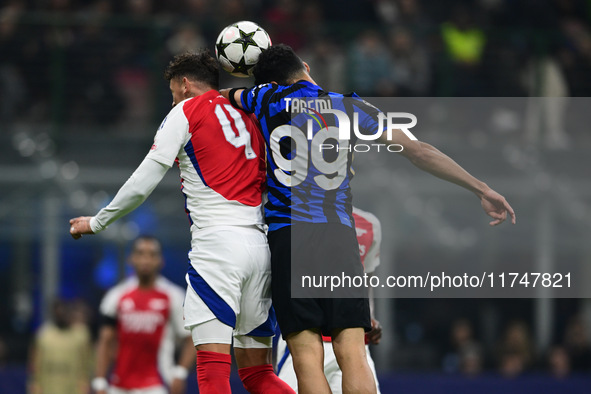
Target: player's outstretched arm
<point>430,159</point>
<point>131,195</point>
<point>185,364</point>
<point>105,351</point>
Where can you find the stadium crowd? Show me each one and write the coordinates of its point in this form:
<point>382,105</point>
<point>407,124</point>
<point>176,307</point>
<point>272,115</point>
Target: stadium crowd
<point>102,57</point>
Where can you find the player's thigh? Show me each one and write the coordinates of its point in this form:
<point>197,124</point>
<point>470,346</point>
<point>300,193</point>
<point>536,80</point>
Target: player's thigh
<point>220,265</point>
<point>306,347</point>
<point>212,332</point>
<point>349,346</point>
<point>293,314</point>
<point>256,317</point>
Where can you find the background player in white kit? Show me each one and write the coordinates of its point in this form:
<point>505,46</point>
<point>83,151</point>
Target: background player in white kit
<point>369,235</point>
<point>221,157</point>
<point>143,320</point>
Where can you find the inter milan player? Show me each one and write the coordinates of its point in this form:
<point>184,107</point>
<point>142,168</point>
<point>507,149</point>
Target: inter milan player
<point>310,219</point>
<point>220,154</point>
<point>369,237</point>
<point>143,319</point>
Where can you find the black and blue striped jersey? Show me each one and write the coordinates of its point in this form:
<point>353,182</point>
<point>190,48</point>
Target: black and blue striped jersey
<point>307,181</point>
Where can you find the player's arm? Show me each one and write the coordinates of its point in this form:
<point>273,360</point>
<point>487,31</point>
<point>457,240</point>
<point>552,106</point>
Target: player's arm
<point>105,353</point>
<point>371,262</point>
<point>375,334</point>
<point>170,139</point>
<point>430,159</point>
<point>186,361</point>
<point>250,100</point>
<point>185,364</point>
<point>131,195</point>
<point>234,96</point>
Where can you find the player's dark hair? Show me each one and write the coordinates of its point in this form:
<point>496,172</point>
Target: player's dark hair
<point>144,237</point>
<point>199,67</point>
<point>278,63</point>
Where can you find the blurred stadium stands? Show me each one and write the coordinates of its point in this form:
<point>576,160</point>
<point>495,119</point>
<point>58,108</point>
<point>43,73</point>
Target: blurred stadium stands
<point>81,95</point>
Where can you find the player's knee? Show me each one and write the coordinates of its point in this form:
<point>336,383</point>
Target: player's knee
<point>349,347</point>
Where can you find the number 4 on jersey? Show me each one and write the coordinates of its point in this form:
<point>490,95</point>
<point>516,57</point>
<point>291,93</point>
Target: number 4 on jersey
<point>243,137</point>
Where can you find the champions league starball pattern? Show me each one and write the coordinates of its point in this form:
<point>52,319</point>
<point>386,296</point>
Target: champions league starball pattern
<point>239,45</point>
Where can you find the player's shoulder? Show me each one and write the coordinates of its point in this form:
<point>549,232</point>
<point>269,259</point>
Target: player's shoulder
<point>272,90</point>
<point>200,104</point>
<point>124,287</point>
<point>172,289</point>
<point>370,217</point>
<point>45,329</point>
<point>264,87</point>
<point>175,115</point>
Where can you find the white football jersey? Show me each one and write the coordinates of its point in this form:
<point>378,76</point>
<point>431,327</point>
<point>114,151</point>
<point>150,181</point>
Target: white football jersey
<point>221,157</point>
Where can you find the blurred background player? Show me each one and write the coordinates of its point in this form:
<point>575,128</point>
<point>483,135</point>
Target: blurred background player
<point>61,355</point>
<point>220,154</point>
<point>369,236</point>
<point>142,322</point>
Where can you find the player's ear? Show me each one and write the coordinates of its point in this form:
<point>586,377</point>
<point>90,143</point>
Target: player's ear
<point>185,84</point>
<point>307,67</point>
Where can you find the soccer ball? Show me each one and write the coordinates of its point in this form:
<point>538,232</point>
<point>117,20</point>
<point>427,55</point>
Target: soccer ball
<point>239,45</point>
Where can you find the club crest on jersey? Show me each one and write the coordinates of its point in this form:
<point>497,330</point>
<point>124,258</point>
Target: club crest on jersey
<point>127,304</point>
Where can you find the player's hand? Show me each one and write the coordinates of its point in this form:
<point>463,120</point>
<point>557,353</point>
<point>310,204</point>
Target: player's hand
<point>496,207</point>
<point>80,226</point>
<point>375,335</point>
<point>177,386</point>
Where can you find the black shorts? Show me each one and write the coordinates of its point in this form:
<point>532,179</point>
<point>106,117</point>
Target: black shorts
<point>312,245</point>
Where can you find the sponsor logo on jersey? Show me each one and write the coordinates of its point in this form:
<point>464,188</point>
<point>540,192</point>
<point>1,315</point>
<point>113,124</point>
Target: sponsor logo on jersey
<point>157,304</point>
<point>141,321</point>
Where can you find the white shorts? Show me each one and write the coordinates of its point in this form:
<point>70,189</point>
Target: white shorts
<point>333,373</point>
<point>147,390</point>
<point>229,279</point>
